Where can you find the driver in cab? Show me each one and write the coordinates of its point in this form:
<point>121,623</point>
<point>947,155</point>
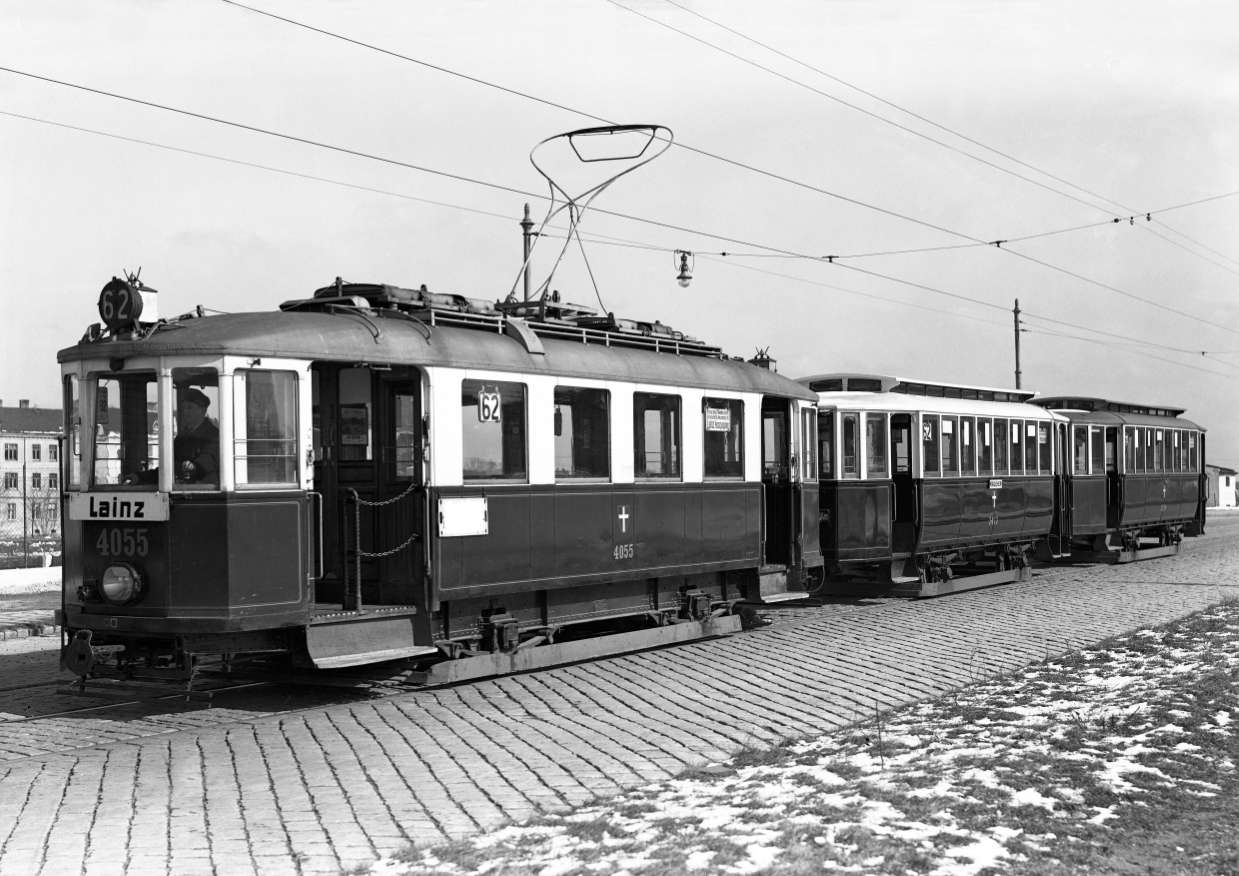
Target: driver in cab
<point>196,448</point>
<point>195,451</point>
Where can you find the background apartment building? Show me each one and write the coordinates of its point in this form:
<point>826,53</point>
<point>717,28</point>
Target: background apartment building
<point>29,483</point>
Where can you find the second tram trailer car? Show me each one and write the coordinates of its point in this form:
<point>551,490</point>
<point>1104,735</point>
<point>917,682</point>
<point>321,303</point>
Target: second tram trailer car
<point>1133,482</point>
<point>377,473</point>
<point>930,487</point>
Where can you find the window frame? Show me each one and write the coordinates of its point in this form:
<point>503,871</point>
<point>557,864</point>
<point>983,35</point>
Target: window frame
<point>927,441</point>
<point>967,447</point>
<point>884,430</point>
<point>738,426</point>
<point>854,418</point>
<point>608,456</point>
<point>1015,452</point>
<point>638,430</point>
<point>826,438</point>
<point>491,480</point>
<point>950,448</point>
<point>808,444</point>
<point>985,446</point>
<point>240,431</point>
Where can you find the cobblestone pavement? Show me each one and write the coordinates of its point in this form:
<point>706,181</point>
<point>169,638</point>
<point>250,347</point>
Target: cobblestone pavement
<point>271,787</point>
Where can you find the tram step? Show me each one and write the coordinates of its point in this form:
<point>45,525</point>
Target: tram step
<point>342,660</point>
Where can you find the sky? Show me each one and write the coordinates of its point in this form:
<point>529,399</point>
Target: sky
<point>858,130</point>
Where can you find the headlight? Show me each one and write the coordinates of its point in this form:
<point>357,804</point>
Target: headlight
<point>120,584</point>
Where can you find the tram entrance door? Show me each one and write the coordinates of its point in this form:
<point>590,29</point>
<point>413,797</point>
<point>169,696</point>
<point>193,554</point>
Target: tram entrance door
<point>369,453</point>
<point>1061,526</point>
<point>776,476</point>
<point>903,486</point>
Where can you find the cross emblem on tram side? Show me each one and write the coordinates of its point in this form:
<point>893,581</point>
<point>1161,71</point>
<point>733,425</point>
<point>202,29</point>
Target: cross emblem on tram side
<point>623,518</point>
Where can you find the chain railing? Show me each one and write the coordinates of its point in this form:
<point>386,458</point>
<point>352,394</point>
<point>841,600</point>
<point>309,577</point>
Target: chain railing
<point>353,599</point>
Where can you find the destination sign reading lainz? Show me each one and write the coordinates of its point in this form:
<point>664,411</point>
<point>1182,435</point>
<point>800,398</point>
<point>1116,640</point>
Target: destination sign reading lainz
<point>118,506</point>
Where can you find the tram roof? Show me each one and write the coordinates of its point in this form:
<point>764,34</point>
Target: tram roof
<point>844,381</point>
<point>1082,409</point>
<point>379,339</point>
<point>902,403</point>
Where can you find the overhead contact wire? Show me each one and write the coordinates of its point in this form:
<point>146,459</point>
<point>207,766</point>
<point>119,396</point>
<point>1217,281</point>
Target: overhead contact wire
<point>931,122</point>
<point>733,162</point>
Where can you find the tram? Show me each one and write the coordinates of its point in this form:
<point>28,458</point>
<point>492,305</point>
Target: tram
<point>1132,484</point>
<point>930,488</point>
<point>379,473</point>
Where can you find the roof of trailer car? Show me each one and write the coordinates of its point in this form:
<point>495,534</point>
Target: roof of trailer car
<point>900,403</point>
<point>1084,409</point>
<point>892,396</point>
<point>392,341</point>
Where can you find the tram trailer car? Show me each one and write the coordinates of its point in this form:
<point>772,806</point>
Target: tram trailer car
<point>930,488</point>
<point>1132,484</point>
<point>377,473</point>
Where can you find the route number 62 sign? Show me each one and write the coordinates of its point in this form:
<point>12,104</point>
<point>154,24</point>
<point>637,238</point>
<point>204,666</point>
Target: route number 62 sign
<point>489,407</point>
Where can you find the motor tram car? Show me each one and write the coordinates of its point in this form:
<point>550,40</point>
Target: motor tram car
<point>1132,484</point>
<point>377,473</point>
<point>929,488</point>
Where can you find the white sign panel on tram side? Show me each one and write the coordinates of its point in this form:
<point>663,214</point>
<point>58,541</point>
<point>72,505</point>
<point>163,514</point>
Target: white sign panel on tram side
<point>118,506</point>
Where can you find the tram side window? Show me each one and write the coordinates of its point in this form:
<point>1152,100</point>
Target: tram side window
<point>493,425</point>
<point>1045,449</point>
<point>901,443</point>
<point>950,446</point>
<point>985,447</point>
<point>1001,446</point>
<point>851,463</point>
<point>1174,460</point>
<point>1148,451</point>
<point>1159,450</point>
<point>875,446</point>
<point>1079,447</point>
<point>582,433</point>
<point>1192,438</point>
<point>195,447</point>
<point>266,426</point>
<point>826,444</point>
<point>1129,449</point>
<point>1098,447</point>
<point>808,443</point>
<point>967,445</point>
<point>73,428</point>
<point>930,442</point>
<point>656,435</point>
<point>724,437</point>
<point>126,430</point>
<point>1017,447</point>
